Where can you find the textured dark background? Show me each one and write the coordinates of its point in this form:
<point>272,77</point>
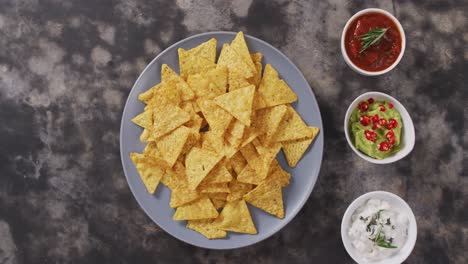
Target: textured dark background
<point>66,68</point>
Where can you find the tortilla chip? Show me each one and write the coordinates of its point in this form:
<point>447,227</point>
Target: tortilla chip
<point>240,46</point>
<point>199,59</point>
<point>218,196</point>
<point>273,90</point>
<point>217,118</point>
<point>218,175</point>
<point>260,162</point>
<point>293,127</point>
<point>238,189</point>
<point>171,78</point>
<point>234,62</point>
<point>206,228</point>
<point>203,87</point>
<point>257,60</point>
<point>213,142</point>
<point>236,81</point>
<point>267,197</point>
<point>181,196</point>
<point>144,119</point>
<point>146,135</point>
<point>218,77</point>
<point>199,162</point>
<point>218,204</point>
<point>248,175</point>
<point>167,94</point>
<point>198,209</point>
<point>168,119</point>
<point>267,120</point>
<point>150,170</point>
<point>238,103</point>
<point>236,129</point>
<point>278,175</point>
<point>146,96</point>
<point>236,217</point>
<point>171,145</point>
<point>295,149</point>
<point>152,151</point>
<point>214,188</point>
<point>175,177</point>
<point>238,162</point>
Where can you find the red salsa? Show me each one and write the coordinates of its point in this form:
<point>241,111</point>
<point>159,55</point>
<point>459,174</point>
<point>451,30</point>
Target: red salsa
<point>382,54</point>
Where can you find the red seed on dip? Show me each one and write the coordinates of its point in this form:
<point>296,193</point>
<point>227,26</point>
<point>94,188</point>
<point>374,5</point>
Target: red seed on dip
<point>381,54</point>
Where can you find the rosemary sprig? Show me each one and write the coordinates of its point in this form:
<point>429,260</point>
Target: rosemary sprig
<point>371,37</point>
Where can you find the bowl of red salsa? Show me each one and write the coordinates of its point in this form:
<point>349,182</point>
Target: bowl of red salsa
<point>373,42</point>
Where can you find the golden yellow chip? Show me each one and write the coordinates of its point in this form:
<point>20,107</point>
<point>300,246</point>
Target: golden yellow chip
<point>175,177</point>
<point>234,62</point>
<point>199,162</point>
<point>273,90</point>
<point>150,170</point>
<point>168,119</point>
<point>152,151</point>
<point>240,46</point>
<point>218,204</point>
<point>236,81</point>
<point>293,127</point>
<point>206,228</point>
<point>146,135</point>
<point>198,209</point>
<point>236,128</point>
<point>277,174</point>
<point>203,87</point>
<point>199,59</point>
<point>293,150</point>
<point>167,95</point>
<point>248,175</point>
<point>236,217</point>
<point>238,103</point>
<point>146,96</point>
<point>267,120</point>
<point>250,134</point>
<point>214,188</point>
<point>238,189</point>
<point>182,195</point>
<point>218,175</point>
<point>218,77</point>
<point>170,146</point>
<point>218,196</point>
<point>268,197</point>
<point>260,162</point>
<point>218,119</point>
<point>237,162</point>
<point>213,141</point>
<point>171,78</point>
<point>257,60</point>
<point>144,119</point>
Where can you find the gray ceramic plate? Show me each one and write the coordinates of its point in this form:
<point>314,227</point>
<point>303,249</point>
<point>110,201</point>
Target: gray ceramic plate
<point>303,176</point>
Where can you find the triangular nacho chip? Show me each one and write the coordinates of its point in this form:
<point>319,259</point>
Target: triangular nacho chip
<point>267,120</point>
<point>171,78</point>
<point>214,188</point>
<point>273,90</point>
<point>199,59</point>
<point>168,119</point>
<point>199,162</point>
<point>267,197</point>
<point>218,175</point>
<point>277,174</point>
<point>238,103</point>
<point>240,46</point>
<point>234,62</point>
<point>181,196</point>
<point>206,228</point>
<point>248,175</point>
<point>144,119</point>
<point>293,127</point>
<point>198,209</point>
<point>171,145</point>
<point>218,119</point>
<point>257,60</point>
<point>236,217</point>
<point>238,189</point>
<point>150,170</point>
<point>295,149</point>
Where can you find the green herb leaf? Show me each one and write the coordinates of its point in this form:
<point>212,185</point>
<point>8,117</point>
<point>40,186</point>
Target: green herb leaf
<point>371,38</point>
<point>385,244</point>
<point>377,216</point>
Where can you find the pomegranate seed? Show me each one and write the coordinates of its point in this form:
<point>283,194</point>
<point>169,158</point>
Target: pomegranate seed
<point>384,146</point>
<point>370,100</point>
<point>370,135</point>
<point>390,137</point>
<point>392,123</point>
<point>382,108</point>
<point>390,106</point>
<point>363,106</point>
<point>364,120</point>
<point>375,118</point>
<point>382,122</point>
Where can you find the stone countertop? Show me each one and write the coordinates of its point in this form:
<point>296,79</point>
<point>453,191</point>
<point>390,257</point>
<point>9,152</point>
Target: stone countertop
<point>66,68</point>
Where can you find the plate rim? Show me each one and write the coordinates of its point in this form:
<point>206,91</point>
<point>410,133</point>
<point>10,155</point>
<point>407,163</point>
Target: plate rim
<point>308,191</point>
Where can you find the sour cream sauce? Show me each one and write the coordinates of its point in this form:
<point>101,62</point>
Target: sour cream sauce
<point>378,230</point>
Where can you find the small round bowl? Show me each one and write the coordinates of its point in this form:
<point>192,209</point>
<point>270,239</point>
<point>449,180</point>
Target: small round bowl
<point>343,49</point>
<point>395,201</point>
<point>407,133</point>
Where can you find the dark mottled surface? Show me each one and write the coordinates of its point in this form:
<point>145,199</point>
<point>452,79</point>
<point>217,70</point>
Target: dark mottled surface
<point>66,68</point>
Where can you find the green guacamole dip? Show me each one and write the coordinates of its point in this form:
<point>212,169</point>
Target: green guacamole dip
<point>375,128</point>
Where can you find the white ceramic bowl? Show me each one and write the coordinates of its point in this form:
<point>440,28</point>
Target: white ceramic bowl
<point>343,49</point>
<point>407,133</point>
<point>395,201</point>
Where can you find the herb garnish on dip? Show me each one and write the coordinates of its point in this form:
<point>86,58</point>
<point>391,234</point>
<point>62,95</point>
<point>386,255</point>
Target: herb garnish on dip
<point>375,127</point>
<point>373,41</point>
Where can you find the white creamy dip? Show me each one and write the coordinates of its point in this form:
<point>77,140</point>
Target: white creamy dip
<point>378,230</point>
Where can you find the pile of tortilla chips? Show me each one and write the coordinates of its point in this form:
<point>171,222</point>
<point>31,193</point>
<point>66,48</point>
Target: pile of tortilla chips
<point>213,134</point>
